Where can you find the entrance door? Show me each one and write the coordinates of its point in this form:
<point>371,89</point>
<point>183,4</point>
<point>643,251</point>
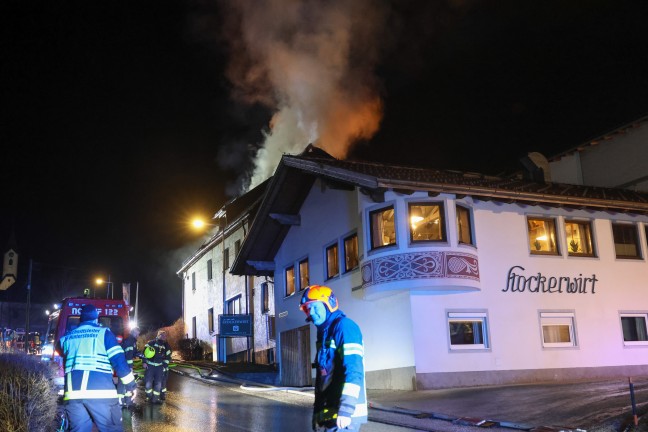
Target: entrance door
<point>296,370</point>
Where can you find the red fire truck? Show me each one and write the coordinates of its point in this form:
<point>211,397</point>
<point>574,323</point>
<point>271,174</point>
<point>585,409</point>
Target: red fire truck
<point>112,314</point>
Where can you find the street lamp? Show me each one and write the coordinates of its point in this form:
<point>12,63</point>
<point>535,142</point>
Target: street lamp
<point>109,286</point>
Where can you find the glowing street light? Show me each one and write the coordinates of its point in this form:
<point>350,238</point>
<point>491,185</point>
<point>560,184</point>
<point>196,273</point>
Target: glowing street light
<point>109,287</point>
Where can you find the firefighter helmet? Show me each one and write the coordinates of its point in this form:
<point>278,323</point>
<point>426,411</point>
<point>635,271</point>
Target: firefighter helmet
<point>321,293</point>
<point>149,352</point>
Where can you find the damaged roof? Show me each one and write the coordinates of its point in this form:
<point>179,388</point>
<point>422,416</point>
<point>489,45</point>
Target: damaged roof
<point>296,174</point>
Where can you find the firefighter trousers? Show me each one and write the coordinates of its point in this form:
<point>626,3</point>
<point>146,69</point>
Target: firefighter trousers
<point>153,382</point>
<point>125,396</point>
<point>165,378</point>
<point>106,413</point>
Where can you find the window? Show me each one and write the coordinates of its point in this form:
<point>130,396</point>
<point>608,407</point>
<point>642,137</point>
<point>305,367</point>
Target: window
<point>290,281</point>
<point>193,281</point>
<point>383,228</point>
<point>626,241</point>
<point>271,327</point>
<point>303,274</point>
<point>464,226</point>
<point>557,329</point>
<point>210,320</point>
<point>225,259</point>
<point>265,297</point>
<point>468,330</point>
<point>209,270</point>
<point>542,236</point>
<point>579,238</point>
<point>426,222</point>
<point>351,254</point>
<point>193,327</point>
<point>332,261</point>
<point>634,328</point>
<point>237,247</point>
<point>234,305</point>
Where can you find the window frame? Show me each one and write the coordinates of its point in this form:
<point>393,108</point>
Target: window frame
<point>194,330</point>
<point>303,263</point>
<point>480,316</point>
<point>265,297</point>
<point>371,215</point>
<point>210,270</point>
<point>231,302</point>
<point>328,261</point>
<point>442,221</point>
<point>556,241</point>
<point>290,268</point>
<point>559,317</point>
<point>629,314</point>
<point>210,320</point>
<point>637,242</point>
<point>471,233</point>
<point>590,229</point>
<point>345,255</point>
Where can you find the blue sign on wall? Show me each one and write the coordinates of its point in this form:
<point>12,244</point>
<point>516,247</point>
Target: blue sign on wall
<point>235,325</point>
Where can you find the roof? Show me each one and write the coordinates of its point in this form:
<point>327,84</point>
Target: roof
<point>229,217</point>
<point>609,136</point>
<point>295,175</point>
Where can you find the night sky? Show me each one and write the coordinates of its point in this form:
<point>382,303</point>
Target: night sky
<point>121,120</point>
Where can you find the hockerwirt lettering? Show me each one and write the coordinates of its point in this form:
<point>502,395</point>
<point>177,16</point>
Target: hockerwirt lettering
<point>542,284</point>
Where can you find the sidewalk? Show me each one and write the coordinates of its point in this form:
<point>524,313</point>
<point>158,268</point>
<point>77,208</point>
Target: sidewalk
<point>601,406</point>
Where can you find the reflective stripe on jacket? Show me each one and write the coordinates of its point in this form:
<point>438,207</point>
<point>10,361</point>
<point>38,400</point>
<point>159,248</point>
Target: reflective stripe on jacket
<point>91,353</point>
<point>340,381</point>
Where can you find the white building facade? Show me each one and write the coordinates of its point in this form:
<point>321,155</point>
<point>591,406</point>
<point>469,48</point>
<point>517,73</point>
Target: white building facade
<point>455,279</point>
<point>209,291</point>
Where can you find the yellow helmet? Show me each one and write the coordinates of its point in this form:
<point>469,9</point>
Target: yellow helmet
<point>149,352</point>
<point>321,293</point>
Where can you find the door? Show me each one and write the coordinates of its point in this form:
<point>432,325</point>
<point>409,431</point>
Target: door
<point>296,370</point>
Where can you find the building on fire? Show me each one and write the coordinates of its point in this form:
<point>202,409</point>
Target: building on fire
<point>456,279</point>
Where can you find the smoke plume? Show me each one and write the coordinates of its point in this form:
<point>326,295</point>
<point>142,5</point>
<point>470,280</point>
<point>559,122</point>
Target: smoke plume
<point>311,62</point>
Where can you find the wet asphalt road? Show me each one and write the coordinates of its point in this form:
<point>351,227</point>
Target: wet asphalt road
<point>195,406</point>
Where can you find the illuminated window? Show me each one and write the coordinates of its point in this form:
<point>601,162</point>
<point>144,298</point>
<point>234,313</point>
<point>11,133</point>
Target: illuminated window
<point>332,261</point>
<point>542,236</point>
<point>557,329</point>
<point>290,281</point>
<point>426,222</point>
<point>468,330</point>
<point>626,240</point>
<point>634,328</point>
<point>579,238</point>
<point>351,254</point>
<point>383,229</point>
<point>464,227</point>
<point>303,274</point>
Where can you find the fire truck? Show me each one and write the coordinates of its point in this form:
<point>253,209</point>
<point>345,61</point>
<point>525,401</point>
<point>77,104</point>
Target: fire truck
<point>113,314</point>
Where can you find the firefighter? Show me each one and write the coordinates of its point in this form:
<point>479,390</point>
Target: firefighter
<point>91,353</point>
<point>157,354</point>
<point>340,395</point>
<point>129,345</point>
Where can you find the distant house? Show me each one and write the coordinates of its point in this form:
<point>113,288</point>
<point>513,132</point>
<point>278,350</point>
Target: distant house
<point>456,279</point>
<point>209,290</point>
<point>617,159</point>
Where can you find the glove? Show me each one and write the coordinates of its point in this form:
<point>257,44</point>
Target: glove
<point>131,386</point>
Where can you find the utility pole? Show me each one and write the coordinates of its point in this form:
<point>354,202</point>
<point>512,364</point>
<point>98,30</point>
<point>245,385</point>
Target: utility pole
<point>29,279</point>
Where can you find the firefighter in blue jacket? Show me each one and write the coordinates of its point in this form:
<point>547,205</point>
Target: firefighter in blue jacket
<point>129,345</point>
<point>157,355</point>
<point>340,395</point>
<point>91,353</point>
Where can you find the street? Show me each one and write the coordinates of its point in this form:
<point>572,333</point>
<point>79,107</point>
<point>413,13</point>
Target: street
<point>195,406</point>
